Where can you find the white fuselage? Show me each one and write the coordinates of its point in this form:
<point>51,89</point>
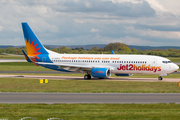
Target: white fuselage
<point>131,64</point>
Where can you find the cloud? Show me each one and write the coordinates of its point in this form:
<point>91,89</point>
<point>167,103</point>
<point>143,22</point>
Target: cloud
<point>129,9</point>
<point>69,22</point>
<point>165,6</point>
<point>1,28</point>
<point>94,30</point>
<point>154,33</point>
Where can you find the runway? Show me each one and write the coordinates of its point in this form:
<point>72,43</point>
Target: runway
<point>123,98</point>
<point>12,60</point>
<point>82,78</point>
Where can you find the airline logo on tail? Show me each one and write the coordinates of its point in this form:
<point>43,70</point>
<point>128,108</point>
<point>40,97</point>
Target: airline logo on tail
<point>31,48</point>
<point>33,45</point>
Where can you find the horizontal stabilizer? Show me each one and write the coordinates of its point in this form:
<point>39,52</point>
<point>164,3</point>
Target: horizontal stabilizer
<point>27,58</point>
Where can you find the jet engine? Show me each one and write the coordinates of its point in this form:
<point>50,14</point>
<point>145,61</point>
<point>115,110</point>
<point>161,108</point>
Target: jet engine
<point>101,72</point>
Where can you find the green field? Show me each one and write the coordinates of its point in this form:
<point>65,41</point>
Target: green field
<point>21,66</point>
<point>86,86</point>
<point>174,59</point>
<point>11,57</point>
<point>91,111</point>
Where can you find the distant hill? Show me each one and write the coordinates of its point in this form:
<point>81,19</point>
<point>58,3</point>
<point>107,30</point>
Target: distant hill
<point>5,46</point>
<point>102,46</point>
<point>152,47</point>
<point>130,46</point>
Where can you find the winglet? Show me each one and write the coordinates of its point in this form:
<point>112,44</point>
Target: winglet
<point>27,58</point>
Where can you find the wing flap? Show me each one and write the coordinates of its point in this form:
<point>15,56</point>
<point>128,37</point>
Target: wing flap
<point>68,66</point>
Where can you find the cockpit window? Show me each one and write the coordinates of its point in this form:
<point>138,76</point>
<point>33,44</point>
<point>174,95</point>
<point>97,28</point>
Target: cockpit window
<point>166,62</point>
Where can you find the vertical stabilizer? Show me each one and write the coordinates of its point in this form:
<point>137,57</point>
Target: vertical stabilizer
<point>33,45</point>
<point>36,52</point>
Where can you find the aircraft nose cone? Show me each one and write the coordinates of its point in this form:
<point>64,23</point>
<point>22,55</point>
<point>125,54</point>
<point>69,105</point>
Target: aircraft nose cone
<point>175,67</point>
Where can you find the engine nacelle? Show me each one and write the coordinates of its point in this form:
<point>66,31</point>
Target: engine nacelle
<point>123,74</point>
<point>101,72</point>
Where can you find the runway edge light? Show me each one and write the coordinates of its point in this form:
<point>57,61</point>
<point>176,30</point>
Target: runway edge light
<point>179,84</point>
<point>43,80</point>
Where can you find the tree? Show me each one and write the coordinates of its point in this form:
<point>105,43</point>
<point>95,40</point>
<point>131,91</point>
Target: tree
<point>101,49</point>
<point>133,50</point>
<point>115,46</point>
<point>94,49</point>
<point>125,49</point>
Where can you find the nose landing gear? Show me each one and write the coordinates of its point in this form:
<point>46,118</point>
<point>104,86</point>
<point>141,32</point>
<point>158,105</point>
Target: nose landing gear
<point>160,78</point>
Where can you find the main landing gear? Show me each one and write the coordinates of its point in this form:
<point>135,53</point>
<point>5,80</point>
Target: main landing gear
<point>87,76</point>
<point>160,78</point>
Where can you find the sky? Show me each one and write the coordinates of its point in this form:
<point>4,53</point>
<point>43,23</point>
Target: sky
<point>87,22</point>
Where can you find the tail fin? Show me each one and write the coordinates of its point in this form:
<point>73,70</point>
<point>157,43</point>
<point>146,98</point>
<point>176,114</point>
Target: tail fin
<point>33,45</point>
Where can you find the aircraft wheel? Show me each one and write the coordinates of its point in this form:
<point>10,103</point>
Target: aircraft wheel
<point>160,78</point>
<point>86,77</point>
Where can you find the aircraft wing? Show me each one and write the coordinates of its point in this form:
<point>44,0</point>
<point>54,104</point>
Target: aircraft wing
<point>68,67</point>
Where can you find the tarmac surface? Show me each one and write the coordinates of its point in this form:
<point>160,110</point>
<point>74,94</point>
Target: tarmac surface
<point>12,60</point>
<point>111,98</point>
<point>82,78</point>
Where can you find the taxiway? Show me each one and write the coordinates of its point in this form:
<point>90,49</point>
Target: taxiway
<point>82,78</point>
<point>112,98</point>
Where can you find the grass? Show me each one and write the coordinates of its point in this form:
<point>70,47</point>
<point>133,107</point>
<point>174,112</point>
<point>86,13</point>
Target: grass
<point>174,59</point>
<point>21,66</point>
<point>86,86</point>
<point>11,57</point>
<point>91,111</point>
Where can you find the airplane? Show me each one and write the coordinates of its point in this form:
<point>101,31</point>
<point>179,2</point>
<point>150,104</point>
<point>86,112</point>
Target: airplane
<point>94,65</point>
